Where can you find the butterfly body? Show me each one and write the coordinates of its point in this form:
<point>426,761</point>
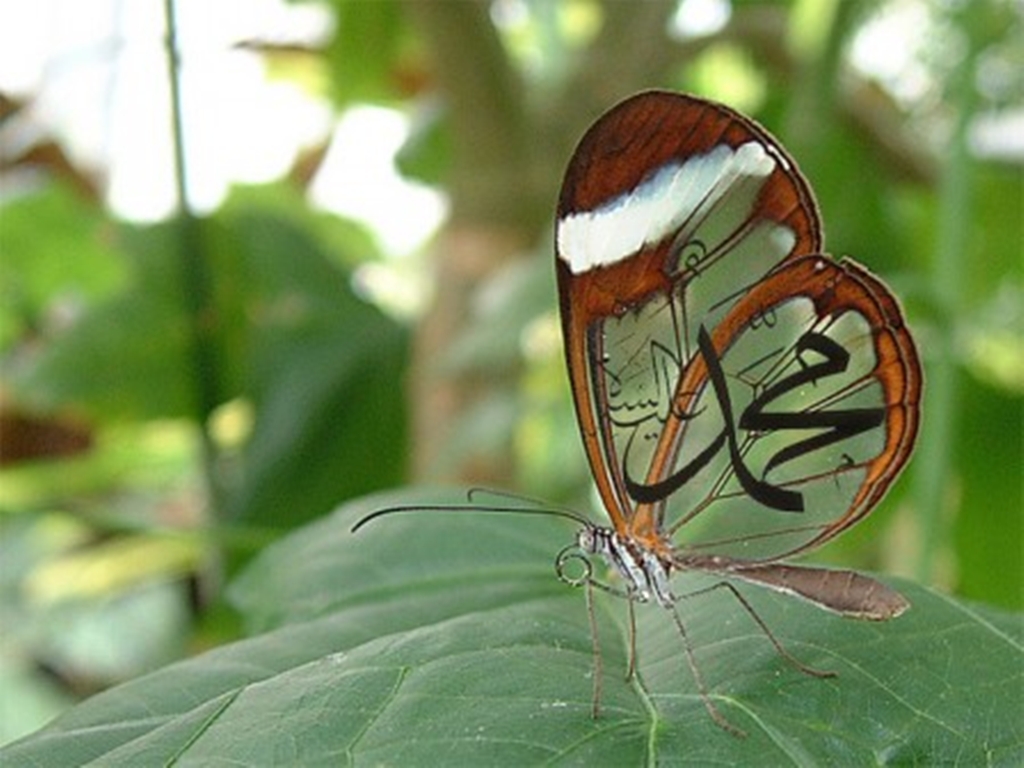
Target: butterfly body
<point>644,572</point>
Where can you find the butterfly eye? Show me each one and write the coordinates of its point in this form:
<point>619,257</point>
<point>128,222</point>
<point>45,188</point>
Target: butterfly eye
<point>586,540</point>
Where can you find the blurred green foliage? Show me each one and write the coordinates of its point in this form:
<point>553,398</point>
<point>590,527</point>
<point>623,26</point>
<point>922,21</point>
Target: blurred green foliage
<point>312,375</point>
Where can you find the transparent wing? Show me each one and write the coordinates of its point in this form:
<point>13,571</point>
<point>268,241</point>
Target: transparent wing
<point>671,208</point>
<point>787,418</point>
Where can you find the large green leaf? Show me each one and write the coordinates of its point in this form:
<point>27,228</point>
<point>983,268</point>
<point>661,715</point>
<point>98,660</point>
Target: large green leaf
<point>321,366</point>
<point>125,357</point>
<point>444,639</point>
<point>325,373</point>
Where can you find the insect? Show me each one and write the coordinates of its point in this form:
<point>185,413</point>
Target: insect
<point>742,396</point>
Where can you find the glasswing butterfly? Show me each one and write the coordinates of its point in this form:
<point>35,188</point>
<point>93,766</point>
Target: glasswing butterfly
<point>742,396</point>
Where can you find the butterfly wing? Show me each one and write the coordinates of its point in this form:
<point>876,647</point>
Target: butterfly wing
<point>727,377</point>
<point>669,205</point>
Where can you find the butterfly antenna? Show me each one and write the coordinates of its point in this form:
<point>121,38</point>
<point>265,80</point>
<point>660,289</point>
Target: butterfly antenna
<point>473,493</point>
<point>466,508</point>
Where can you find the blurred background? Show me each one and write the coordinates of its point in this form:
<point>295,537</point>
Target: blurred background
<point>310,257</point>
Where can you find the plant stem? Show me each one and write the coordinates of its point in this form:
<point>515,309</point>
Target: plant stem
<point>196,288</point>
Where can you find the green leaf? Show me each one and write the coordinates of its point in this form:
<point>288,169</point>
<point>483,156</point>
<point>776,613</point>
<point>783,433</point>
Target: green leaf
<point>989,454</point>
<point>325,371</point>
<point>445,639</point>
<point>322,366</point>
<point>54,250</point>
<point>125,357</point>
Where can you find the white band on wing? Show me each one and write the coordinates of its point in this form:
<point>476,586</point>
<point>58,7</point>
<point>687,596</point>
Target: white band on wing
<point>658,206</point>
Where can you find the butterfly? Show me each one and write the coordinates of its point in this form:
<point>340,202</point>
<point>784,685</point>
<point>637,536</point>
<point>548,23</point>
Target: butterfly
<point>742,396</point>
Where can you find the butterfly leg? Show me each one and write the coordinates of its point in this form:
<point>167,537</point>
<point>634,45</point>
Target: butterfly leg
<point>790,658</point>
<point>597,666</point>
<point>698,678</point>
<point>631,668</point>
<point>584,578</point>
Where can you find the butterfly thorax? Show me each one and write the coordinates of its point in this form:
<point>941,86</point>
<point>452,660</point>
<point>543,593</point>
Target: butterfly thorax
<point>645,573</point>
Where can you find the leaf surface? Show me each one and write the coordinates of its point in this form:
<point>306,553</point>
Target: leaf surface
<point>445,639</point>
